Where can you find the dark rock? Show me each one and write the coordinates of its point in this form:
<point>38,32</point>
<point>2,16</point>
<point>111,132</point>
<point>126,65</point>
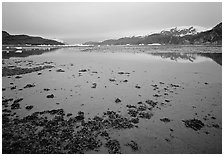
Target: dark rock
<point>6,111</point>
<point>97,118</point>
<point>154,85</point>
<point>112,80</point>
<point>215,125</point>
<point>167,101</point>
<point>29,107</point>
<point>104,134</point>
<point>3,89</point>
<point>18,77</point>
<point>29,85</point>
<point>145,115</point>
<point>137,86</point>
<point>117,100</point>
<point>50,96</point>
<point>14,87</point>
<point>151,103</point>
<point>174,85</point>
<point>134,120</point>
<point>41,133</point>
<point>15,106</point>
<point>206,132</point>
<point>19,71</point>
<point>157,95</point>
<point>213,117</point>
<point>130,106</point>
<point>142,108</point>
<point>132,113</point>
<point>133,145</point>
<point>116,121</point>
<point>120,73</point>
<point>195,124</point>
<point>168,140</point>
<point>60,70</point>
<point>80,116</point>
<point>125,81</point>
<point>56,111</point>
<point>69,114</point>
<point>94,85</point>
<point>113,147</point>
<point>82,70</point>
<point>165,120</point>
<point>46,89</point>
<point>139,102</point>
<point>18,100</point>
<point>5,101</point>
<point>81,113</point>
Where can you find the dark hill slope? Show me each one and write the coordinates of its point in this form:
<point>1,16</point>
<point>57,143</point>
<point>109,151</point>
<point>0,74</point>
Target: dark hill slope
<point>8,39</point>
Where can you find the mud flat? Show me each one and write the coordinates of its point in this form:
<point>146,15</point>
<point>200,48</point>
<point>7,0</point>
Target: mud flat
<point>70,101</point>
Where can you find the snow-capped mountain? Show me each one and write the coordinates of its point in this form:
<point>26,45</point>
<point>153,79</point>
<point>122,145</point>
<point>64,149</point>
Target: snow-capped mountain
<point>183,30</point>
<point>187,35</point>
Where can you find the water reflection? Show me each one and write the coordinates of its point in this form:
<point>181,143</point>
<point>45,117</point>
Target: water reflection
<point>25,52</point>
<point>174,56</point>
<point>217,57</point>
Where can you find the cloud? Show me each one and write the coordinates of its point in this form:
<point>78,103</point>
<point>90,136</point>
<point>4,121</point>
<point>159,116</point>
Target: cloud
<point>102,20</point>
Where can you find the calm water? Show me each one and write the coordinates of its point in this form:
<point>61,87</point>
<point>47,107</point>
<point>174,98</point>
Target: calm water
<point>26,51</point>
<point>198,75</point>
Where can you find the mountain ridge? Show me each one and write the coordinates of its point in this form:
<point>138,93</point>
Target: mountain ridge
<point>187,36</point>
<point>8,39</point>
<point>183,30</point>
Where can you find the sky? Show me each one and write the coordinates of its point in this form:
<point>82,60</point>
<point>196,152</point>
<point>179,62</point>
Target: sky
<point>76,22</point>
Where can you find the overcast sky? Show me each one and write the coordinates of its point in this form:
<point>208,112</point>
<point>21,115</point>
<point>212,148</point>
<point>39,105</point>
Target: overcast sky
<point>80,22</point>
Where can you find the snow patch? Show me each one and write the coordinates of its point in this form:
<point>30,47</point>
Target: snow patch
<point>183,30</point>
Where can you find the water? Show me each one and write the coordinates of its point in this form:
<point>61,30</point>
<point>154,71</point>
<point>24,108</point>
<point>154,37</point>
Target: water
<point>198,95</point>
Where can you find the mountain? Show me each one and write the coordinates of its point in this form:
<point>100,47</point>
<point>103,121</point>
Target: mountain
<point>25,39</point>
<point>183,31</point>
<point>213,36</point>
<point>184,35</point>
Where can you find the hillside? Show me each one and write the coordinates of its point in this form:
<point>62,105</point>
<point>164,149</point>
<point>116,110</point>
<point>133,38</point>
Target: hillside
<point>173,36</point>
<point>8,39</point>
<point>213,36</point>
<point>183,30</point>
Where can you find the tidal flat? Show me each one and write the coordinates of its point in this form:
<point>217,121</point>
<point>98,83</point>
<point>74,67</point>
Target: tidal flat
<point>112,99</point>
